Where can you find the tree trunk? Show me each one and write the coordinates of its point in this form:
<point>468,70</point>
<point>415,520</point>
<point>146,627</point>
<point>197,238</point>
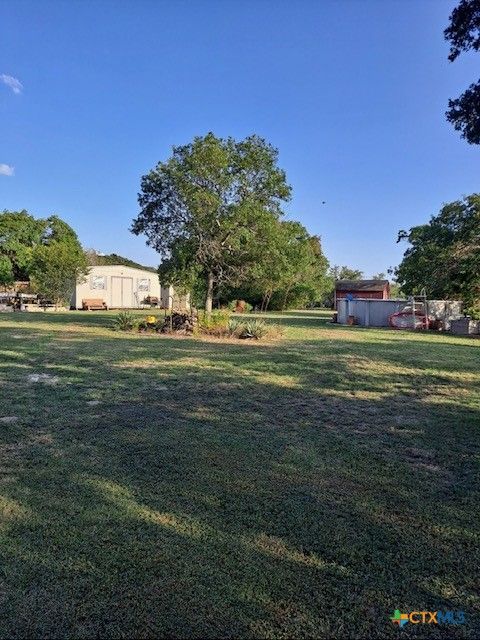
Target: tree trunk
<point>209,296</point>
<point>285,297</point>
<point>267,301</point>
<point>263,303</point>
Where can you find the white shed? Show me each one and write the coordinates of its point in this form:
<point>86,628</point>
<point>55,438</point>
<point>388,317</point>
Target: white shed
<point>118,286</point>
<point>122,287</point>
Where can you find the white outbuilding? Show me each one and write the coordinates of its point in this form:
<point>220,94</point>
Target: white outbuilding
<point>121,287</point>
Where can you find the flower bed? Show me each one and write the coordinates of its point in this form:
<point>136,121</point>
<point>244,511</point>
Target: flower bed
<point>217,324</point>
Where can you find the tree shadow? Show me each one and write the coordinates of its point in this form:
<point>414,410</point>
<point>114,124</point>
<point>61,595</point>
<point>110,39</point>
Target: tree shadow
<point>223,491</point>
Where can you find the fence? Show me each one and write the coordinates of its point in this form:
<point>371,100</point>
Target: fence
<point>375,313</point>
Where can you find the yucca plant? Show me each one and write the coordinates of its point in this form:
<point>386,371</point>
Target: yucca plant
<point>249,329</point>
<point>255,329</point>
<point>235,326</point>
<point>125,321</point>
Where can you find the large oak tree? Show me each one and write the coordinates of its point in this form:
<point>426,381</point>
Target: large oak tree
<point>208,208</point>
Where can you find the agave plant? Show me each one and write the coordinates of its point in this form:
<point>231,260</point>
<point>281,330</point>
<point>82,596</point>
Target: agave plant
<point>235,326</point>
<point>255,329</point>
<point>248,329</point>
<point>124,321</point>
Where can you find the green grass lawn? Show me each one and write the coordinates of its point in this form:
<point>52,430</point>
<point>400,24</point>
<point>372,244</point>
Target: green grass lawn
<point>305,487</point>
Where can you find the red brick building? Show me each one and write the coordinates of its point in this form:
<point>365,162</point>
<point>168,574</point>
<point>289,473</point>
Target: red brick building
<point>372,289</point>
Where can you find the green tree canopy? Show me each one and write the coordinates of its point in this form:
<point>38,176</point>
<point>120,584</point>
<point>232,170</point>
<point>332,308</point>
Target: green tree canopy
<point>56,268</point>
<point>444,255</point>
<point>205,209</point>
<point>338,273</point>
<point>6,272</point>
<point>45,251</point>
<point>20,233</point>
<point>289,270</point>
<point>463,34</point>
<point>304,273</point>
<point>345,273</point>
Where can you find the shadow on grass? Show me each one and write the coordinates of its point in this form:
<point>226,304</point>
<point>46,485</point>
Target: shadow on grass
<point>78,318</point>
<point>223,491</point>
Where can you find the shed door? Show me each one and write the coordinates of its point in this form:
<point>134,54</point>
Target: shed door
<point>127,292</point>
<point>122,292</point>
<point>116,292</point>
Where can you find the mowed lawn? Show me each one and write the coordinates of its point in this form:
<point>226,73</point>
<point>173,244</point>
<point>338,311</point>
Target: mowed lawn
<point>304,487</point>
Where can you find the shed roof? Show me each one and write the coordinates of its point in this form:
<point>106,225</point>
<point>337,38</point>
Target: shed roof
<point>122,267</point>
<point>361,285</point>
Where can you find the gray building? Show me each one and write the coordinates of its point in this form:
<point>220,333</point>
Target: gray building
<point>376,313</point>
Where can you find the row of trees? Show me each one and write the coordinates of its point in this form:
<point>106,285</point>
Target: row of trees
<point>44,251</point>
<point>213,211</point>
<point>291,271</point>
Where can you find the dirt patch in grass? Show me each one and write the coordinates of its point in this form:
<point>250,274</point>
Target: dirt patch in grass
<point>43,378</point>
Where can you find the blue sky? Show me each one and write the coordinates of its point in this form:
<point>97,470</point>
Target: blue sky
<point>352,92</point>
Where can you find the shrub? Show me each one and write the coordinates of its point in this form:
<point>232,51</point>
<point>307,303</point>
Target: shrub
<point>220,324</point>
<point>249,329</point>
<point>247,307</point>
<point>215,323</point>
<point>125,321</point>
<point>474,310</point>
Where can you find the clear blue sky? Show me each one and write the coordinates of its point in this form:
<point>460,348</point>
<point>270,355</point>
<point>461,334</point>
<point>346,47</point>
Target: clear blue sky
<point>352,92</point>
